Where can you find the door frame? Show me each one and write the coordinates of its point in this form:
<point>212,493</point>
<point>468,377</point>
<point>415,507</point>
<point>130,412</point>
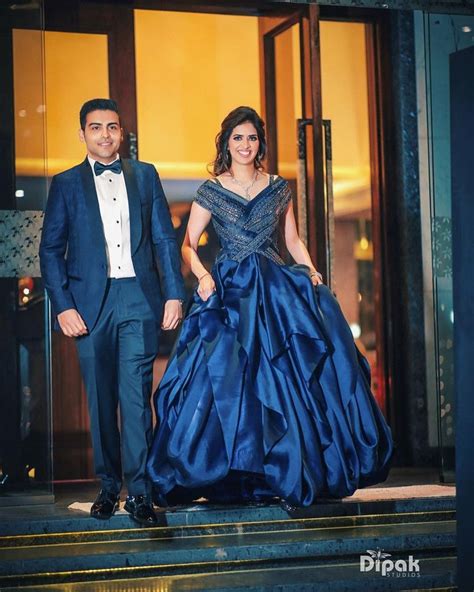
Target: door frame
<point>118,25</point>
<point>308,19</point>
<point>383,185</point>
<point>378,70</point>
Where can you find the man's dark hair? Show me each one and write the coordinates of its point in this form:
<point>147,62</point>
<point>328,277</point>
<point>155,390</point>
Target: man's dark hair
<point>96,105</point>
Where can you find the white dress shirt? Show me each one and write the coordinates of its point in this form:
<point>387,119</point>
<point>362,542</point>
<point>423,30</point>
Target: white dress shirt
<point>114,211</point>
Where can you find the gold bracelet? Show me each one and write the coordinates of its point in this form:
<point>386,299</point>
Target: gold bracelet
<point>203,276</point>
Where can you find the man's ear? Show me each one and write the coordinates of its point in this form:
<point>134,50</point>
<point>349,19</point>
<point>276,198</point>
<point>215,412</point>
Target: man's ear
<point>81,135</point>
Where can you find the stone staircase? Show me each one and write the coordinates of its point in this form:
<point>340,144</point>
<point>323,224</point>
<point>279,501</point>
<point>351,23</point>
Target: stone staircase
<point>238,548</point>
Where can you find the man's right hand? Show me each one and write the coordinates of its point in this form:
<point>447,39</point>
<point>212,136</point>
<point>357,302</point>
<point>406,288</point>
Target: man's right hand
<point>71,323</point>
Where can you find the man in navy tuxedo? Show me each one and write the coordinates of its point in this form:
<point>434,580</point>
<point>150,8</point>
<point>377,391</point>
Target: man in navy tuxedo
<point>111,266</point>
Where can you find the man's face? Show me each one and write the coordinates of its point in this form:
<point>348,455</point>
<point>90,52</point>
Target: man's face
<point>102,135</point>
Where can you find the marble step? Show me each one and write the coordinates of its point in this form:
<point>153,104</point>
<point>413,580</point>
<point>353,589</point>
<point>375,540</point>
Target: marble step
<point>435,574</point>
<point>48,520</point>
<point>203,553</point>
<point>192,530</point>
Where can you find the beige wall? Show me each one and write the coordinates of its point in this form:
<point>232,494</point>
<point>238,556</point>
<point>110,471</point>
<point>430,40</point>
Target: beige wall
<point>345,103</point>
<point>75,69</point>
<point>187,82</point>
<point>192,69</point>
<point>30,147</point>
<point>288,99</point>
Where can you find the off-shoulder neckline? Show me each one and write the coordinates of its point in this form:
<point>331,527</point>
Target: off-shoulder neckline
<point>217,184</point>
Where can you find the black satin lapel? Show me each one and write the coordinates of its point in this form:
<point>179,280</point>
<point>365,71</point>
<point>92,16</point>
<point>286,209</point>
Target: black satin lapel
<point>92,204</point>
<point>134,205</point>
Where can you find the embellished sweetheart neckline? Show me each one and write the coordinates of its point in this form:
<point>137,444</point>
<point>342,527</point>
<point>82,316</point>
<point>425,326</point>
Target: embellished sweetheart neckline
<point>239,197</point>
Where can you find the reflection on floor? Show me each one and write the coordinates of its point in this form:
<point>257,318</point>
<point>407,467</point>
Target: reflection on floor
<point>403,483</point>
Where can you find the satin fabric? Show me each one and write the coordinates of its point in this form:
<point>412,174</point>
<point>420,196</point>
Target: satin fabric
<point>266,395</point>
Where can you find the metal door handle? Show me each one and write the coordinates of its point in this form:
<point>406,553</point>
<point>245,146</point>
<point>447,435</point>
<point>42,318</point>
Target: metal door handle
<point>302,196</point>
<point>302,180</point>
<point>329,198</point>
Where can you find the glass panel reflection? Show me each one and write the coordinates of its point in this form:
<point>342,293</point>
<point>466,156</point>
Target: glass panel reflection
<point>344,66</point>
<point>25,412</point>
<point>25,421</point>
<point>444,34</point>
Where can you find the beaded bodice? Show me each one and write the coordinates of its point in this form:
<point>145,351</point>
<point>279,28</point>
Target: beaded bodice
<point>244,227</point>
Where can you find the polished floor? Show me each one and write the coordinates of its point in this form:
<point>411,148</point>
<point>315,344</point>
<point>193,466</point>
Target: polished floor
<point>75,498</point>
<point>54,547</point>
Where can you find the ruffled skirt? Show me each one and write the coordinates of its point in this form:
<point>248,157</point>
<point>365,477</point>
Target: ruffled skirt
<point>266,395</point>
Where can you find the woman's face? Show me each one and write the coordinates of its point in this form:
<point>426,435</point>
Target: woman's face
<point>244,143</point>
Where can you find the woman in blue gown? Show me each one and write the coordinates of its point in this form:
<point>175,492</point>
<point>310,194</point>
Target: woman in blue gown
<point>265,394</point>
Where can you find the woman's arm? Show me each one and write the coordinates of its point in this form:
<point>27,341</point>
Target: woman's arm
<point>199,218</point>
<point>296,246</point>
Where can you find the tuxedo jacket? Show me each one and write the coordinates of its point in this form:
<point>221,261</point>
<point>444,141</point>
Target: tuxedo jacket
<point>73,253</point>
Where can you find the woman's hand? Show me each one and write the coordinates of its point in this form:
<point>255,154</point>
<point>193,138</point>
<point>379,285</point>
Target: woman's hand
<point>206,287</point>
<point>316,277</point>
<point>297,248</point>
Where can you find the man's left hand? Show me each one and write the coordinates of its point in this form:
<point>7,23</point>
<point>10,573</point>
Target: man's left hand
<point>173,314</point>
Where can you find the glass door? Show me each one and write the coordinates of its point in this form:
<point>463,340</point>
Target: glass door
<point>322,141</point>
<point>353,212</point>
<point>25,377</point>
<point>292,103</point>
<point>444,35</point>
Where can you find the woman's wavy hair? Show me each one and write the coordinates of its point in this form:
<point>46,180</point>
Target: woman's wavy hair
<point>240,115</point>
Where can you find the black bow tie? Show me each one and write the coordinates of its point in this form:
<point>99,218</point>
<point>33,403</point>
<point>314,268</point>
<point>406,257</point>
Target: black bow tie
<point>114,167</point>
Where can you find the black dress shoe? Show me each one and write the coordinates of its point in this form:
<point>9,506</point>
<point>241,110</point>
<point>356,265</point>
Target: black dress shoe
<point>141,510</point>
<point>105,505</point>
<point>289,508</point>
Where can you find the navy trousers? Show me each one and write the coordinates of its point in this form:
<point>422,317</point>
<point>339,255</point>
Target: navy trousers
<point>116,361</point>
